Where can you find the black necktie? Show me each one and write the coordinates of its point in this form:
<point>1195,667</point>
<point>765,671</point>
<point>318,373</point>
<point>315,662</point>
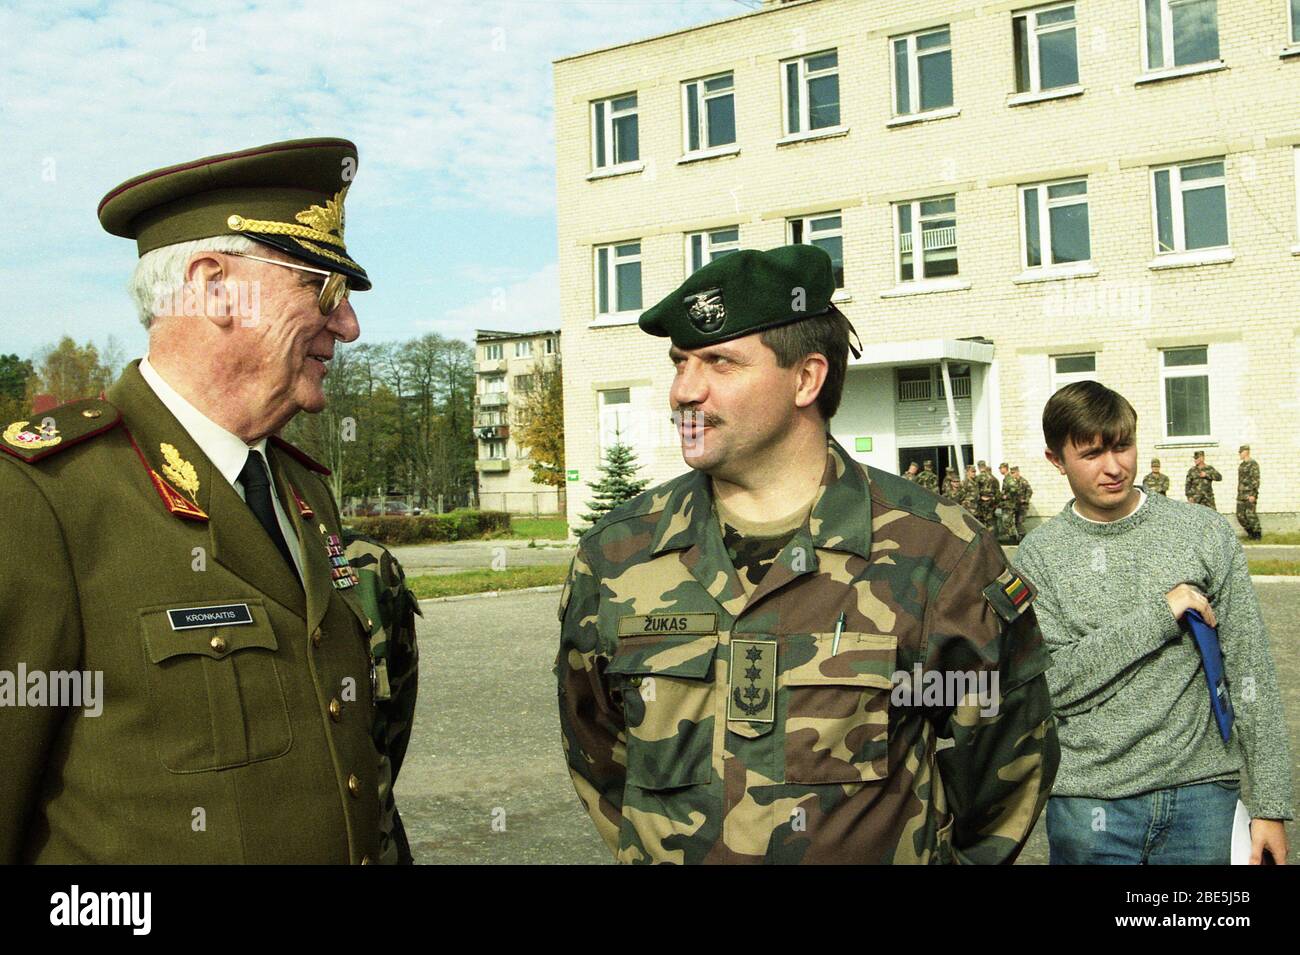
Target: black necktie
<point>257,493</point>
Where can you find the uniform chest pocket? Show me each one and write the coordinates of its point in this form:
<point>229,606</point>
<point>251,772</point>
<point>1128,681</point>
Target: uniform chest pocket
<point>215,692</point>
<point>837,706</point>
<point>668,706</point>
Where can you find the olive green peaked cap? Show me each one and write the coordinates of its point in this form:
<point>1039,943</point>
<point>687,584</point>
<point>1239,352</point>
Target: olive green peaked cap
<point>742,293</point>
<point>286,195</point>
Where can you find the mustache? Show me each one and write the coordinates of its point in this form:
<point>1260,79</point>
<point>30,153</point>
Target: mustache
<point>694,417</point>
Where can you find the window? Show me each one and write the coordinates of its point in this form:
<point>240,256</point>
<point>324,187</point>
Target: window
<point>1047,53</point>
<point>1055,221</point>
<point>524,349</point>
<point>614,131</point>
<point>615,418</point>
<point>931,226</point>
<point>1190,207</point>
<point>494,384</point>
<point>618,278</point>
<point>922,72</point>
<point>1296,155</point>
<point>1180,32</point>
<point>1067,369</point>
<point>1186,392</point>
<point>825,232</point>
<point>523,384</point>
<point>709,113</point>
<point>1295,21</point>
<point>496,448</point>
<point>925,382</point>
<point>492,352</point>
<point>811,87</point>
<point>550,347</point>
<point>703,247</point>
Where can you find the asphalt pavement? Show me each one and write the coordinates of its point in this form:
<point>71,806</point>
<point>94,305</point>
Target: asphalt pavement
<point>484,780</point>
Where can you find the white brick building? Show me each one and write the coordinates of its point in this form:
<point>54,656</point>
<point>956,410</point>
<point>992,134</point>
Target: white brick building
<point>1105,188</point>
<point>505,367</point>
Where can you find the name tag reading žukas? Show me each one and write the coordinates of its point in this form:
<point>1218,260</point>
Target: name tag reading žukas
<point>225,615</point>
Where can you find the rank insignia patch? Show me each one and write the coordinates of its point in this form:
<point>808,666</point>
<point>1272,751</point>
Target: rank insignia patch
<point>20,436</point>
<point>303,507</point>
<point>752,691</point>
<point>341,572</point>
<point>1009,595</point>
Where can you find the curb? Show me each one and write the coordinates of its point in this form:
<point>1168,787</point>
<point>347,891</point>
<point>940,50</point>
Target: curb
<point>545,589</point>
<point>1275,579</point>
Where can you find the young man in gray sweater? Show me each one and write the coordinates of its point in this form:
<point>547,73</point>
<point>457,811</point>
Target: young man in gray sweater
<point>1145,776</point>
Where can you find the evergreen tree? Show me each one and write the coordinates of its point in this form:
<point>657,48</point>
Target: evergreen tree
<point>616,485</point>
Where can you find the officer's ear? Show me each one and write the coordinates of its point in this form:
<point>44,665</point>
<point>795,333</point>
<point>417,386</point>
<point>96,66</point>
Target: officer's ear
<point>812,376</point>
<point>207,283</point>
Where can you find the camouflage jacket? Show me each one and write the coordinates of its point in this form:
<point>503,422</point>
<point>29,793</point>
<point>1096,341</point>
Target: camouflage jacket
<point>1247,479</point>
<point>928,480</point>
<point>987,487</point>
<point>1156,483</point>
<point>952,488</point>
<point>700,725</point>
<point>1198,488</point>
<point>392,608</point>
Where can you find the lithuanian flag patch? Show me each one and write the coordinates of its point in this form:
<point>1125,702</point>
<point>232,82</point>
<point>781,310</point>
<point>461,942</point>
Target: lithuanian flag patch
<point>1009,595</point>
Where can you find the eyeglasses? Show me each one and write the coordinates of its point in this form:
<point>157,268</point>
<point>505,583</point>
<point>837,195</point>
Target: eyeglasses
<point>332,294</point>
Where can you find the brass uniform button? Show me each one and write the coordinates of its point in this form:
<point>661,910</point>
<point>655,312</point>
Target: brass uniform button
<point>370,625</point>
<point>218,643</point>
<point>354,785</point>
<point>315,637</point>
<point>91,413</point>
<point>634,681</point>
<point>336,710</point>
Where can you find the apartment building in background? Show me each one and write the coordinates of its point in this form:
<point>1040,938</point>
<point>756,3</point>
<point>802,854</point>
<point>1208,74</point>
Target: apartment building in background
<point>506,366</point>
<point>1015,196</point>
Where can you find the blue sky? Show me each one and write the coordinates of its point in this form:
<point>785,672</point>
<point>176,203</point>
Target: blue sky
<point>449,101</point>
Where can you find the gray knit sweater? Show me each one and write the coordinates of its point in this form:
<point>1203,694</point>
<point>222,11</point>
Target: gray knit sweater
<point>1128,689</point>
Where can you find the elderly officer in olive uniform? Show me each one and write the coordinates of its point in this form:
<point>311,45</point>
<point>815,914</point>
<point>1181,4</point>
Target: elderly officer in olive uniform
<point>169,541</point>
<point>1248,494</point>
<point>1155,482</point>
<point>737,652</point>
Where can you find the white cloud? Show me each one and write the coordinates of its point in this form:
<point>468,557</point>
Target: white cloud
<point>532,302</point>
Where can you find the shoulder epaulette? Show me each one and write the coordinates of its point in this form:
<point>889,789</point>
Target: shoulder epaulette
<point>58,429</point>
<point>299,455</point>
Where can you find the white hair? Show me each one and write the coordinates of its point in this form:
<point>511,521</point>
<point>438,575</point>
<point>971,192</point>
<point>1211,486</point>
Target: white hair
<point>160,274</point>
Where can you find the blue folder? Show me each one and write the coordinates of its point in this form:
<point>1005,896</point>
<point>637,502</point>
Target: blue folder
<point>1207,642</point>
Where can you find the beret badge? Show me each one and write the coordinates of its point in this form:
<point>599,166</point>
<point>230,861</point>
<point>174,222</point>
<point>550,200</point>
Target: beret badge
<point>705,310</point>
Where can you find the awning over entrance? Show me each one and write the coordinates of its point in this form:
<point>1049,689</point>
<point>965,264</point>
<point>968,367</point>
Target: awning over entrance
<point>926,351</point>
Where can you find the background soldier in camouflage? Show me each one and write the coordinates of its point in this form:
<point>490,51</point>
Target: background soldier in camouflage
<point>986,501</point>
<point>1247,493</point>
<point>1199,490</point>
<point>970,493</point>
<point>391,607</point>
<point>1024,492</point>
<point>1155,482</point>
<point>911,472</point>
<point>1005,505</point>
<point>951,485</point>
<point>726,664</point>
<point>927,478</point>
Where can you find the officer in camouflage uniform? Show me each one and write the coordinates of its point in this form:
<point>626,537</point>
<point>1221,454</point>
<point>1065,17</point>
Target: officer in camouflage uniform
<point>911,473</point>
<point>970,493</point>
<point>1198,489</point>
<point>1024,491</point>
<point>927,478</point>
<point>732,679</point>
<point>1248,494</point>
<point>987,491</point>
<point>392,608</point>
<point>951,485</point>
<point>1155,482</point>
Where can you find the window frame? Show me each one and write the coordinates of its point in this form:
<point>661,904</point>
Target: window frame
<point>1177,220</point>
<point>1185,371</point>
<point>805,236</point>
<point>1293,20</point>
<point>493,352</point>
<point>603,407</point>
<point>1033,32</point>
<point>805,126</point>
<point>1168,54</point>
<point>707,247</point>
<point>599,162</point>
<point>1045,204</point>
<point>612,276</point>
<point>702,97</point>
<point>551,346</point>
<point>524,349</point>
<point>1059,379</point>
<point>917,233</point>
<point>914,72</point>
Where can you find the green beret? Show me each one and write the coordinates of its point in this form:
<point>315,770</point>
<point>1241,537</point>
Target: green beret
<point>286,195</point>
<point>744,292</point>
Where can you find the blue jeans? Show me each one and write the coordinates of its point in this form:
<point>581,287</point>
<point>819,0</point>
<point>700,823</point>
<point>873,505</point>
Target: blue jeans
<point>1186,825</point>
